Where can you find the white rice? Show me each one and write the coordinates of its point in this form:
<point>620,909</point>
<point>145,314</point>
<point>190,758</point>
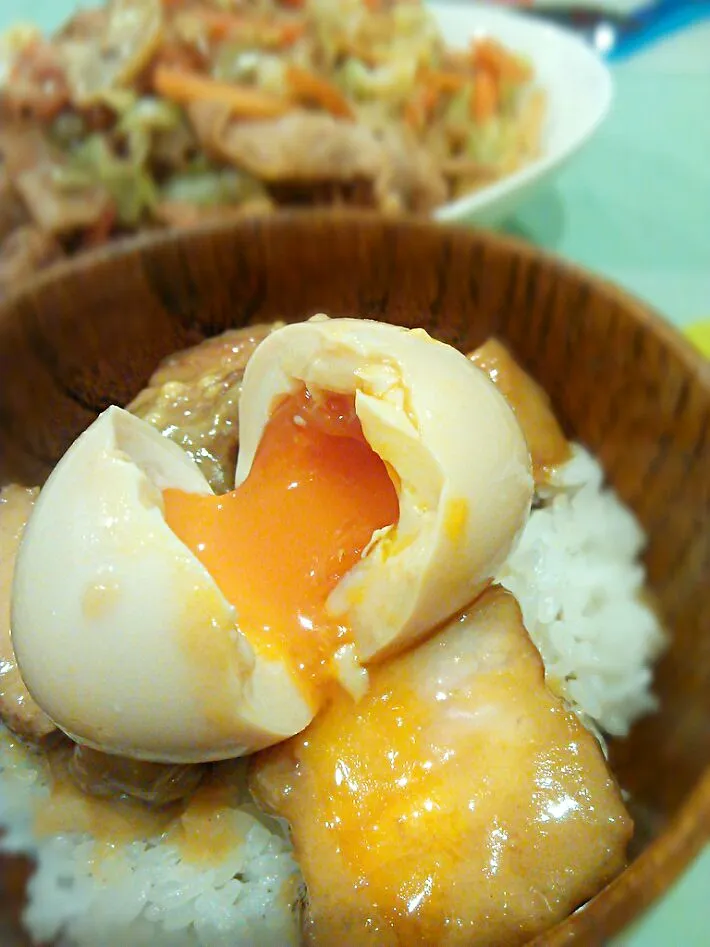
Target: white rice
<point>577,577</point>
<point>143,894</point>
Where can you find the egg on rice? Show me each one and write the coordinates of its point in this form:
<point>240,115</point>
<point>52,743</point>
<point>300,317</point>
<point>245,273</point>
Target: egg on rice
<point>349,699</point>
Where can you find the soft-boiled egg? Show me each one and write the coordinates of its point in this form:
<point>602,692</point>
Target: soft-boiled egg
<point>381,482</point>
<point>454,450</point>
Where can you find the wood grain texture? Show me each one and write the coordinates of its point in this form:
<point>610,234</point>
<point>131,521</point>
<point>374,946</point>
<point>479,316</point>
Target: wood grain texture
<point>89,334</point>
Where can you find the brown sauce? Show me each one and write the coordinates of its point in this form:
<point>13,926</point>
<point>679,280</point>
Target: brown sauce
<point>193,398</point>
<point>204,827</point>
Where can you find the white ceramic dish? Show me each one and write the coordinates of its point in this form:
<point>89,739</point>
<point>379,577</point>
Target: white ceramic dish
<point>577,83</point>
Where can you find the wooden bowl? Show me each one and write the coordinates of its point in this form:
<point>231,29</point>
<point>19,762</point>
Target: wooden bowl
<point>623,382</point>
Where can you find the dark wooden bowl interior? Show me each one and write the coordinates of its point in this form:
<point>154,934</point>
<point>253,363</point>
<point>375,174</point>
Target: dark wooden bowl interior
<point>622,382</point>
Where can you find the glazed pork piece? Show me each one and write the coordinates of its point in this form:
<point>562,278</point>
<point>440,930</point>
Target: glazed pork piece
<point>548,446</point>
<point>112,777</point>
<point>193,398</point>
<point>459,803</point>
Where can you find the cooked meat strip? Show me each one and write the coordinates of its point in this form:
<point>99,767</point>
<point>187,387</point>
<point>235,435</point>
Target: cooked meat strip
<point>17,708</point>
<point>307,150</point>
<point>23,145</point>
<point>32,164</point>
<point>458,803</point>
<point>58,210</point>
<point>193,398</point>
<point>306,146</point>
<point>37,85</point>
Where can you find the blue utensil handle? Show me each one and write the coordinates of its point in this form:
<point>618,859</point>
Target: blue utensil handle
<point>655,20</point>
<point>661,8</point>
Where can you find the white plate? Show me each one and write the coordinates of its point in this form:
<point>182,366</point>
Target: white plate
<point>578,87</point>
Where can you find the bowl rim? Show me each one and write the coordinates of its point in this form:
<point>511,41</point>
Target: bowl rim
<point>650,875</point>
<point>694,361</point>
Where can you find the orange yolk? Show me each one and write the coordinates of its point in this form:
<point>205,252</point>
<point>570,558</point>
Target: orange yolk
<point>278,544</point>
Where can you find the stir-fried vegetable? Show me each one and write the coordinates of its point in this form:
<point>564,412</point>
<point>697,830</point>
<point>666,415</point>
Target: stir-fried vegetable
<point>131,35</point>
<point>178,85</point>
<point>149,111</point>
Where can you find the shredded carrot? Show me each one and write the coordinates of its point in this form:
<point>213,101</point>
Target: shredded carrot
<point>430,99</point>
<point>413,114</point>
<point>373,5</point>
<point>445,81</point>
<point>419,109</point>
<point>182,86</point>
<point>221,25</point>
<point>490,55</point>
<point>484,102</point>
<point>291,32</point>
<point>308,87</point>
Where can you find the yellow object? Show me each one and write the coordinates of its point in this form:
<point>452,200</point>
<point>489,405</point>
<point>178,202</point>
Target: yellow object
<point>699,335</point>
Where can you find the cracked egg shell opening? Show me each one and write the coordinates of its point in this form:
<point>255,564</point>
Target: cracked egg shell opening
<point>458,456</point>
<point>121,634</point>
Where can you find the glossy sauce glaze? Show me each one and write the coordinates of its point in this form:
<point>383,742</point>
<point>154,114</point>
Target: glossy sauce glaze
<point>193,398</point>
<point>204,826</point>
<point>458,803</point>
<point>314,496</point>
<point>548,446</point>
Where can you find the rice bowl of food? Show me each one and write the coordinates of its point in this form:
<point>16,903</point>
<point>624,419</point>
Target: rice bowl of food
<point>324,628</point>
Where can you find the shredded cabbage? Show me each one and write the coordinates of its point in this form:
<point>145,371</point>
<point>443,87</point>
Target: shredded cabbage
<point>394,81</point>
<point>131,187</point>
<point>67,129</point>
<point>140,123</point>
<point>458,111</point>
<point>209,188</point>
<point>493,144</point>
<point>234,63</point>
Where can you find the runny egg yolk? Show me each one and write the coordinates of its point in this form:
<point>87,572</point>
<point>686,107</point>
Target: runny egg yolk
<point>278,544</point>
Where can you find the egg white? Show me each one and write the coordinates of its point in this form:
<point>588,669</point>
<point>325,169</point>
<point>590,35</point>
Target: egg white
<point>121,634</point>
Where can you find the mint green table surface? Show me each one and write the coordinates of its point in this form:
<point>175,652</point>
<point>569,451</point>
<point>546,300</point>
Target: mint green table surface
<point>635,206</point>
